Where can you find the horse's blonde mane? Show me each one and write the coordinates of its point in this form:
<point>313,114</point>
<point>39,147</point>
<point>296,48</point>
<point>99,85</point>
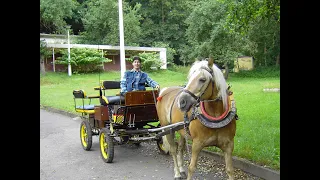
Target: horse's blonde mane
<point>217,75</point>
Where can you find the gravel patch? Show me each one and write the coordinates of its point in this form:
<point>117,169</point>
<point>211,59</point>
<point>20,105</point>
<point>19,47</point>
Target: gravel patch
<point>206,166</point>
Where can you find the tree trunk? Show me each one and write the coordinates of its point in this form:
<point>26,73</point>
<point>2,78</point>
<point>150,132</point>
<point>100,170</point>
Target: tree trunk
<point>265,55</point>
<point>226,73</point>
<point>278,60</point>
<point>42,67</point>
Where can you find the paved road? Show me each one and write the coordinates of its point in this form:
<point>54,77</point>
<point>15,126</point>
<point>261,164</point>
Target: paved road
<point>62,157</point>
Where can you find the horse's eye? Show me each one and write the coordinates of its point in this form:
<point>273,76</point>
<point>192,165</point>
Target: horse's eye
<point>202,80</point>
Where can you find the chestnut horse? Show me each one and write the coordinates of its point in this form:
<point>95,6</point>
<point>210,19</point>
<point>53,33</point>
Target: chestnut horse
<point>207,107</point>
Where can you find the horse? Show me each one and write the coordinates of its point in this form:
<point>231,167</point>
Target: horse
<point>207,107</point>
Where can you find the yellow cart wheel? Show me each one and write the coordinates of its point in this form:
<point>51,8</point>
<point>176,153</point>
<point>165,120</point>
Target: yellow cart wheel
<point>106,146</point>
<point>86,135</point>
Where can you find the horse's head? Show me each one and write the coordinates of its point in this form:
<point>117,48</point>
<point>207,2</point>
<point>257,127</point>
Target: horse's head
<point>205,82</point>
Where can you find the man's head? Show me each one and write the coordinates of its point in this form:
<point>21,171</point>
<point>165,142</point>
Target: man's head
<point>136,63</point>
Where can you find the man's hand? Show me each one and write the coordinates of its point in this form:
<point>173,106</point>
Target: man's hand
<point>157,86</point>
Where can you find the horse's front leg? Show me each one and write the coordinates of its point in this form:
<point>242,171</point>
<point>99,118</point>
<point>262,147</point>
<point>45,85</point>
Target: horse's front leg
<point>173,151</point>
<point>228,149</point>
<point>181,149</point>
<point>196,148</point>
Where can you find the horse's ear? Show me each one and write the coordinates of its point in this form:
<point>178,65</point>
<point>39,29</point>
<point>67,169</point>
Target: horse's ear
<point>210,62</point>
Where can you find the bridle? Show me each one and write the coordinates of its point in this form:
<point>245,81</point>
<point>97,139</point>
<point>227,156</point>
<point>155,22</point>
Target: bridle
<point>201,114</point>
<point>195,107</point>
<point>197,98</point>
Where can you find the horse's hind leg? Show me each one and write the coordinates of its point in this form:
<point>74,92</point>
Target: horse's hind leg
<point>173,151</point>
<point>196,148</point>
<point>228,149</point>
<point>181,148</point>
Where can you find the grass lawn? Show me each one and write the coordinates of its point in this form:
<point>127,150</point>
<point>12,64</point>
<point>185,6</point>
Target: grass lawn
<point>258,129</point>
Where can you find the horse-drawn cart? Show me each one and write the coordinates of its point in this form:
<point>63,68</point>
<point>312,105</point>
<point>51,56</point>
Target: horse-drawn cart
<point>204,111</point>
<point>129,119</point>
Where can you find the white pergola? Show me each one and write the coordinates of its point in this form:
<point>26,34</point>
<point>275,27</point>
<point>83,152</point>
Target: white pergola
<point>162,51</point>
<point>60,41</point>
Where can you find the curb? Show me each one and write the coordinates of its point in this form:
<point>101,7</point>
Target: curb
<point>246,166</point>
<point>58,111</point>
<point>239,163</point>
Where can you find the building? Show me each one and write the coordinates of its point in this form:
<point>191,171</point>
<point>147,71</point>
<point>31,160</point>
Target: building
<point>55,41</point>
<point>243,63</point>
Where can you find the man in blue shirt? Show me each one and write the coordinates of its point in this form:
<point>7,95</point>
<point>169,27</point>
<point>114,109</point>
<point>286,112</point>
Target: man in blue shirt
<point>135,79</point>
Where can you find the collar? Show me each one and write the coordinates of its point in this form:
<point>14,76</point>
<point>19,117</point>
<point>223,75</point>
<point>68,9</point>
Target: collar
<point>132,70</point>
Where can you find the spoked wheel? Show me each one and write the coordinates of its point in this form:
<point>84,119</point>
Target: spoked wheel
<point>106,146</point>
<point>86,135</point>
<point>161,147</point>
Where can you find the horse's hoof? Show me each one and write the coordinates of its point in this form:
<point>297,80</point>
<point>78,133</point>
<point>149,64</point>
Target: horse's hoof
<point>177,178</point>
<point>183,175</point>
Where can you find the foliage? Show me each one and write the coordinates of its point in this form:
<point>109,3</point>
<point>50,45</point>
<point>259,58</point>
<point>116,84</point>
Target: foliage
<point>186,55</point>
<point>163,21</point>
<point>170,51</point>
<point>222,29</point>
<point>53,14</point>
<point>266,35</point>
<point>83,59</point>
<point>101,22</point>
<point>44,51</point>
<point>259,21</point>
<point>241,14</point>
<point>207,35</point>
<point>148,61</point>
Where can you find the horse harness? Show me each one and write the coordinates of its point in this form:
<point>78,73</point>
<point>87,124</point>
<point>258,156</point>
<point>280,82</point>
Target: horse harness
<point>201,114</point>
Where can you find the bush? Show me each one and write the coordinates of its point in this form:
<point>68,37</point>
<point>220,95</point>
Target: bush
<point>148,61</point>
<point>83,60</point>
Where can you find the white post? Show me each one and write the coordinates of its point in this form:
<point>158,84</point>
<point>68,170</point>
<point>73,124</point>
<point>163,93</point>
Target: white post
<point>102,57</point>
<point>69,65</point>
<point>122,53</point>
<point>163,57</point>
<point>53,63</point>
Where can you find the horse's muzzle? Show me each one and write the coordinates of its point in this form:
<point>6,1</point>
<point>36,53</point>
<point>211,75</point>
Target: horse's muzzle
<point>185,101</point>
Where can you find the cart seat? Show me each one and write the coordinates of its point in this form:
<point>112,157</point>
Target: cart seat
<point>86,107</point>
<point>113,100</point>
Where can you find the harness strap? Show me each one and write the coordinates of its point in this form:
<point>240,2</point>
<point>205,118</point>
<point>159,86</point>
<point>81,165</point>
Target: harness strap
<point>190,93</point>
<point>174,100</point>
<point>186,123</point>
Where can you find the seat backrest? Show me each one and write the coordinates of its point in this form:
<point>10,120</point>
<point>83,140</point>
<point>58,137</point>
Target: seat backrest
<point>141,97</point>
<point>79,93</point>
<point>111,85</point>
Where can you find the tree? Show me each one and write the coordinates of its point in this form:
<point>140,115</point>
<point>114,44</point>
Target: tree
<point>208,37</point>
<point>259,20</point>
<point>83,60</point>
<point>44,53</point>
<point>163,22</point>
<point>53,14</point>
<point>101,22</point>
